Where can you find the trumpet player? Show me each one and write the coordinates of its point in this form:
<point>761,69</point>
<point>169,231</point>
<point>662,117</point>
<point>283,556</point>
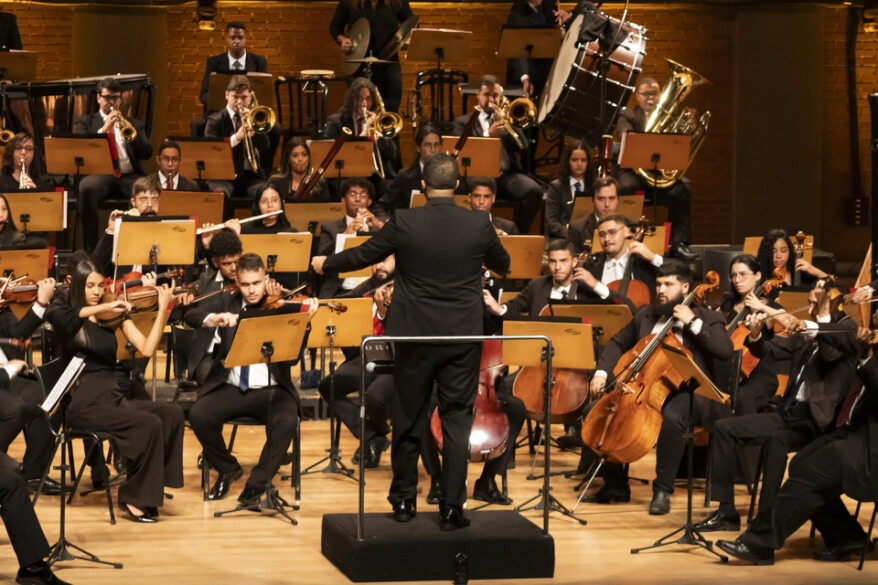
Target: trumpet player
<point>126,154</point>
<point>21,167</point>
<point>232,122</point>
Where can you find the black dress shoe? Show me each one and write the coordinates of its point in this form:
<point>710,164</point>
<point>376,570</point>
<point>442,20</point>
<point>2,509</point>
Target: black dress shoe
<point>717,522</point>
<point>435,494</point>
<point>570,439</point>
<point>486,490</point>
<point>740,550</point>
<point>841,552</point>
<point>50,486</point>
<point>99,477</point>
<point>250,494</point>
<point>452,518</point>
<point>405,510</point>
<point>660,504</point>
<point>38,574</point>
<point>145,518</point>
<point>610,494</point>
<point>681,250</point>
<point>220,489</point>
<point>374,448</point>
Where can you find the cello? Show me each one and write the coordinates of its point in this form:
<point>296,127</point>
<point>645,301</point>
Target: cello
<point>626,421</point>
<point>628,287</point>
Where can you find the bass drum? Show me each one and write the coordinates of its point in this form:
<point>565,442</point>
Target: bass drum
<point>571,102</point>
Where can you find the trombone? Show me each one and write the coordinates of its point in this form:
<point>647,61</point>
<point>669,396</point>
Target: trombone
<point>519,113</point>
<point>384,125</point>
<point>258,119</point>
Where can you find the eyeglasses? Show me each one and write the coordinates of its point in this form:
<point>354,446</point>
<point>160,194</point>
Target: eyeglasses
<point>24,148</point>
<point>111,97</point>
<point>733,276</point>
<point>610,233</point>
<point>357,194</point>
<point>170,159</point>
<point>648,93</point>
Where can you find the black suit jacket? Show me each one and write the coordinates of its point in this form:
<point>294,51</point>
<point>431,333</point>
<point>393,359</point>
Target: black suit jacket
<point>221,125</point>
<point>559,208</point>
<point>506,225</point>
<point>642,270</point>
<point>537,70</point>
<point>860,470</point>
<point>220,64</point>
<point>440,250</point>
<point>631,120</point>
<point>138,149</point>
<point>399,191</point>
<point>329,231</point>
<point>183,184</point>
<point>508,160</point>
<point>535,296</point>
<point>10,326</point>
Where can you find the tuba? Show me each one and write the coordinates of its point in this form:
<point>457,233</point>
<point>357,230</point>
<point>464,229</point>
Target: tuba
<point>665,119</point>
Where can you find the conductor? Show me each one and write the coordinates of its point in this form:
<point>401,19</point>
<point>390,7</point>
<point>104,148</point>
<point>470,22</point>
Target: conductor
<point>440,250</point>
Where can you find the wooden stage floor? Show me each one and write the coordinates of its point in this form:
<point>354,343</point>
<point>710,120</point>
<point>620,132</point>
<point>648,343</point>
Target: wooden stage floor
<point>189,546</point>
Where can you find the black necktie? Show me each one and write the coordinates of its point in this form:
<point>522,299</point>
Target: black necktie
<point>563,295</point>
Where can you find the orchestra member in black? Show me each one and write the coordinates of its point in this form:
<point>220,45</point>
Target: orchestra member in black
<point>563,191</point>
<point>225,394</point>
<point>295,170</point>
<point>513,184</point>
<point>168,173</point>
<point>531,73</point>
<point>127,159</point>
<point>440,250</point>
<point>677,197</point>
<point>482,196</point>
<point>385,17</point>
<point>148,435</point>
<point>428,141</point>
<point>822,367</point>
<point>267,200</point>
<point>10,237</point>
<point>20,154</point>
<point>776,251</point>
<point>605,199</point>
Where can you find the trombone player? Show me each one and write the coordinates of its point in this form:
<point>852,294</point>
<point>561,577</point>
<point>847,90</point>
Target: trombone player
<point>129,145</point>
<point>247,126</point>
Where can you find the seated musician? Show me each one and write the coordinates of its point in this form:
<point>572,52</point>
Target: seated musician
<point>127,155</point>
<point>21,396</point>
<point>842,462</point>
<point>10,237</point>
<point>532,74</point>
<point>513,184</point>
<point>822,367</point>
<point>227,394</point>
<point>296,169</point>
<point>168,174</point>
<point>678,197</point>
<point>428,141</point>
<point>482,196</point>
<point>563,191</point>
<point>379,387</point>
<point>357,196</point>
<point>776,251</point>
<point>701,331</point>
<point>266,200</point>
<point>605,198</point>
<point>20,155</point>
<point>229,123</point>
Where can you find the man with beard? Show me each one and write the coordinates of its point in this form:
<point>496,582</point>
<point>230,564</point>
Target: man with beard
<point>701,331</point>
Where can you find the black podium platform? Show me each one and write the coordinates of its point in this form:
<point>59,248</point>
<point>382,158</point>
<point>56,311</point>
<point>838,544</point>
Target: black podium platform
<point>498,545</point>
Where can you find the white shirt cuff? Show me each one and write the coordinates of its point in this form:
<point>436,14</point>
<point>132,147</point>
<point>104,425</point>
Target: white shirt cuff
<point>695,326</point>
<point>12,371</point>
<point>601,290</point>
<point>39,310</point>
<point>657,260</point>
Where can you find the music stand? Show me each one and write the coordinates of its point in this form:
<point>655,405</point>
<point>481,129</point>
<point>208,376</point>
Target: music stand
<point>77,156</point>
<point>354,159</point>
<point>439,44</point>
<point>206,159</point>
<point>260,337</point>
<point>605,319</point>
<point>38,211</point>
<point>19,65</point>
<point>532,42</point>
<point>479,157</point>
<point>631,206</point>
<point>202,206</point>
<point>654,151</point>
<point>571,345</point>
<point>352,241</point>
<point>34,263</point>
<point>696,382</point>
<point>793,301</point>
<point>525,256</point>
<point>333,327</point>
<point>150,241</point>
<point>284,252</point>
<point>310,216</point>
<point>262,84</point>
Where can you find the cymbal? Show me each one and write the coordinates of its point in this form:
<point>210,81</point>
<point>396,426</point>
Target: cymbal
<point>367,60</point>
<point>359,33</point>
<point>399,39</point>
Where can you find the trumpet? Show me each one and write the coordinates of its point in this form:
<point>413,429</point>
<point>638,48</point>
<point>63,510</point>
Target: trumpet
<point>23,178</point>
<point>125,128</point>
<point>258,119</point>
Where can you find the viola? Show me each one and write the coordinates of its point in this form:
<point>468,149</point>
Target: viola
<point>134,280</point>
<point>738,332</point>
<point>490,429</point>
<point>141,300</point>
<point>629,287</point>
<point>626,421</point>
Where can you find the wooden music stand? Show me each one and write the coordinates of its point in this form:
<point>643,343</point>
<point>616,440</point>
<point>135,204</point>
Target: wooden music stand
<point>479,157</point>
<point>139,240</point>
<point>793,300</point>
<point>571,339</point>
<point>308,215</point>
<point>525,254</point>
<point>206,158</point>
<point>79,155</point>
<point>352,241</point>
<point>657,241</point>
<point>439,45</point>
<point>752,243</point>
<point>631,206</point>
<point>532,42</point>
<point>354,159</point>
<point>38,211</point>
<point>688,369</point>
<point>420,199</point>
<point>34,263</point>
<point>351,325</point>
<point>605,319</point>
<point>202,206</point>
<point>262,85</point>
<point>19,65</point>
<point>655,151</point>
<point>285,252</point>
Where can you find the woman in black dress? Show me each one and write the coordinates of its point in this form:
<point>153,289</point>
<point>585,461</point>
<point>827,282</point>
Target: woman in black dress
<point>148,435</point>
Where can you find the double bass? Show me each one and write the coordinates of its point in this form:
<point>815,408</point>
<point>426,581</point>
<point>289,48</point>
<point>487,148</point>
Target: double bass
<point>626,421</point>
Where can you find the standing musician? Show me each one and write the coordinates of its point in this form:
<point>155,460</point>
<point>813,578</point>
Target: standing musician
<point>126,155</point>
<point>440,250</point>
<point>605,197</point>
<point>822,368</point>
<point>22,168</point>
<point>678,197</point>
<point>229,123</point>
<point>231,393</point>
<point>428,141</point>
<point>385,17</point>
<point>701,331</point>
<point>168,174</point>
<point>295,170</point>
<point>532,73</point>
<point>513,184</point>
<point>564,190</point>
<point>482,195</point>
<point>776,250</point>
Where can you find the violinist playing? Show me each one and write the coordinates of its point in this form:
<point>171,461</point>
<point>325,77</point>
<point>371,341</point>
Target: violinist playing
<point>702,332</point>
<point>241,391</point>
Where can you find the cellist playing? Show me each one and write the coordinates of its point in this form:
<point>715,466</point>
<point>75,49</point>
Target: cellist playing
<point>701,331</point>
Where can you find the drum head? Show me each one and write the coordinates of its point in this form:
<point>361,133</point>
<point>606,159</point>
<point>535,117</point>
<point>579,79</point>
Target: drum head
<point>359,33</point>
<point>560,69</point>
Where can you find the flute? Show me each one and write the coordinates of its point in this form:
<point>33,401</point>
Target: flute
<point>220,226</point>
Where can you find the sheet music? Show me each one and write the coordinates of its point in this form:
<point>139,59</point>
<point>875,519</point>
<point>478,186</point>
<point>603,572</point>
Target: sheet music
<point>67,377</point>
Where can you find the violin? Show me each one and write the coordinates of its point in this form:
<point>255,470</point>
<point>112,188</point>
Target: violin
<point>134,280</point>
<point>738,332</point>
<point>626,421</point>
<point>141,300</point>
<point>24,291</point>
<point>628,287</point>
